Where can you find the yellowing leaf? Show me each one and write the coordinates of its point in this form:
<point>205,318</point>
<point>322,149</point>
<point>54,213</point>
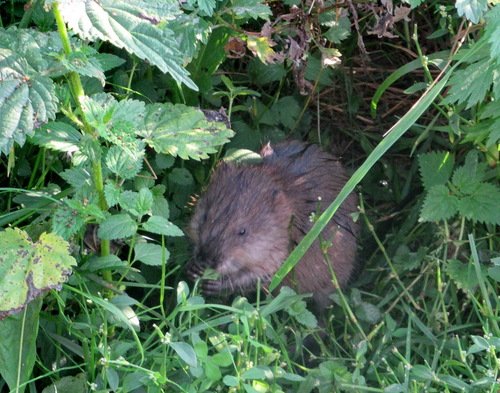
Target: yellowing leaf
<point>261,47</point>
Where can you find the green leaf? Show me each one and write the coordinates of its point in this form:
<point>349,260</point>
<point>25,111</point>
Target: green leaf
<point>137,203</point>
<point>82,62</point>
<point>473,10</point>
<point>112,193</point>
<point>28,269</point>
<point>116,121</point>
<point>482,204</point>
<point>223,358</point>
<point>66,221</point>
<point>182,131</point>
<point>463,274</point>
<point>27,94</point>
<point>435,168</point>
<point>439,204</point>
<point>57,136</point>
<point>125,162</point>
<point>162,226</point>
<point>118,226</point>
<point>250,9</point>
<point>212,371</point>
<point>492,31</point>
<point>76,177</point>
<point>339,29</point>
<point>185,352</point>
<point>11,341</point>
<point>230,380</point>
<point>27,100</point>
<point>470,84</point>
<point>150,254</point>
<point>140,27</point>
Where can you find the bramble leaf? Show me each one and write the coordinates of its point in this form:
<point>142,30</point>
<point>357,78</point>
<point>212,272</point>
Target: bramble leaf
<point>463,274</point>
<point>28,269</point>
<point>140,27</point>
<point>182,131</point>
<point>435,168</point>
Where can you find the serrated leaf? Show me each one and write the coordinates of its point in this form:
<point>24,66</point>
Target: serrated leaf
<point>112,193</point>
<point>83,63</point>
<point>340,29</point>
<point>76,177</point>
<point>182,131</point>
<point>137,203</point>
<point>66,221</point>
<point>473,10</point>
<point>118,226</point>
<point>150,254</point>
<point>463,274</point>
<point>492,31</point>
<point>470,84</point>
<point>190,31</point>
<point>162,226</point>
<point>250,9</point>
<point>28,269</point>
<point>439,204</point>
<point>125,162</point>
<point>185,352</point>
<point>483,204</point>
<point>58,136</point>
<point>115,121</point>
<point>181,176</point>
<point>26,102</point>
<point>135,26</point>
<point>435,168</point>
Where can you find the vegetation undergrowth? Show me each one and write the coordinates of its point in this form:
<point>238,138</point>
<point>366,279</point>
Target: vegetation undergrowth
<point>113,114</point>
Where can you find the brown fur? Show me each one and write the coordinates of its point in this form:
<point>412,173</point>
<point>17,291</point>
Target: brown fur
<point>251,216</point>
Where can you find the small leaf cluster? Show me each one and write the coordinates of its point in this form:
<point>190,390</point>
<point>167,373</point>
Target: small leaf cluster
<point>465,192</point>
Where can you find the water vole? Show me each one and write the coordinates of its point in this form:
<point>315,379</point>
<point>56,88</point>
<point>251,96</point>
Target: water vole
<point>251,217</point>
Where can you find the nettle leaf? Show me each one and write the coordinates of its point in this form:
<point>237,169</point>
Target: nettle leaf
<point>250,9</point>
<point>473,10</point>
<point>137,203</point>
<point>28,269</point>
<point>162,226</point>
<point>67,221</point>
<point>125,162</point>
<point>140,27</point>
<point>77,177</point>
<point>27,100</point>
<point>118,226</point>
<point>58,136</point>
<point>439,204</point>
<point>115,121</point>
<point>191,31</point>
<point>463,274</point>
<point>482,204</point>
<point>150,254</point>
<point>435,168</point>
<point>470,84</point>
<point>182,131</point>
<point>83,63</point>
<point>112,193</point>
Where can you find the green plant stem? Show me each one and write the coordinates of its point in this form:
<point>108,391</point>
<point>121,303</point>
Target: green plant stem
<point>78,92</point>
<point>386,256</point>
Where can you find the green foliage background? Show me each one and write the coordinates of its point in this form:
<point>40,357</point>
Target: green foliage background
<point>103,143</point>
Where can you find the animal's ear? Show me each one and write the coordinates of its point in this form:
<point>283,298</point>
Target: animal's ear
<point>279,197</point>
<point>267,150</point>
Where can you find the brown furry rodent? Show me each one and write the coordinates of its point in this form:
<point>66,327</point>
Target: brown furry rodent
<point>251,217</point>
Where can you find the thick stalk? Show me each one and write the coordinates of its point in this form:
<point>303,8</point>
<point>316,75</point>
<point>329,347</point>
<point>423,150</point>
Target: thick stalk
<point>78,93</point>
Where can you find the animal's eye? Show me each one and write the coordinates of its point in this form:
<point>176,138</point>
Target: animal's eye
<point>242,232</point>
